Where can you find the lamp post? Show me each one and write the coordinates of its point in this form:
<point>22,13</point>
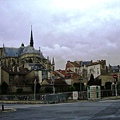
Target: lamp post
<point>115,76</point>
<point>34,89</point>
<point>53,82</point>
<point>80,87</point>
<point>116,89</point>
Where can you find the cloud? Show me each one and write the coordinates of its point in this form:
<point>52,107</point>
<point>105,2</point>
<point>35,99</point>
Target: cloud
<point>64,29</point>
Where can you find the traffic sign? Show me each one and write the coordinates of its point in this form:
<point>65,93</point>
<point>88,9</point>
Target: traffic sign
<point>115,76</point>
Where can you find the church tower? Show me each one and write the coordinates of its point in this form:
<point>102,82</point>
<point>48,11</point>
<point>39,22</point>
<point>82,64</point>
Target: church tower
<point>31,38</point>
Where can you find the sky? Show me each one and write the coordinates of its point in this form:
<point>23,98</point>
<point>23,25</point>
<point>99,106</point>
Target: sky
<point>66,30</point>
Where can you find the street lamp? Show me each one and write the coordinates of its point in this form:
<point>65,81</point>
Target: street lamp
<point>116,88</point>
<point>115,76</point>
<point>53,82</point>
<point>34,88</point>
<point>80,86</point>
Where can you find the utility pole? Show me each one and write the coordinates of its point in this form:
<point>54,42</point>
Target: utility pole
<point>53,82</point>
<point>115,76</point>
<point>35,89</point>
<point>80,87</point>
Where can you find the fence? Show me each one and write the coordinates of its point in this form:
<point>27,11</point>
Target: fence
<point>60,97</point>
<point>54,98</point>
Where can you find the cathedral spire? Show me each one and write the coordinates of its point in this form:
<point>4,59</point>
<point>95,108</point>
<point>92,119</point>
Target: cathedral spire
<point>31,38</point>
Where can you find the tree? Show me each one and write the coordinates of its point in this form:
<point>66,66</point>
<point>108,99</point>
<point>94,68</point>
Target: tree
<point>38,86</point>
<point>4,87</point>
<point>92,80</point>
<point>108,85</point>
<point>77,86</point>
<point>48,90</point>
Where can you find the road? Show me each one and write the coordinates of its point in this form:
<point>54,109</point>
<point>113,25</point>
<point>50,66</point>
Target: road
<point>86,110</point>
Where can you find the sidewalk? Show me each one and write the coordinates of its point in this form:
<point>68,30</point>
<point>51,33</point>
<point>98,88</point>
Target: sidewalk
<point>111,98</point>
<point>20,102</point>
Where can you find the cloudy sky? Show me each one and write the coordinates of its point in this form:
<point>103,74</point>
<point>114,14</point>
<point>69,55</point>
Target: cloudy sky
<point>64,29</point>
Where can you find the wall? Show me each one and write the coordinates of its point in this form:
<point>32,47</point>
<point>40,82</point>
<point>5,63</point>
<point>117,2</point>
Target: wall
<point>30,77</point>
<point>5,77</point>
<point>106,78</point>
<point>0,76</point>
<point>40,76</point>
<point>94,69</point>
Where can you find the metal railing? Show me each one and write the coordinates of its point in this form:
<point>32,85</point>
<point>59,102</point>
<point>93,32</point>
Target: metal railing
<point>58,97</point>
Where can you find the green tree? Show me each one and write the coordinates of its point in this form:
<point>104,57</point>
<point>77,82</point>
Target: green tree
<point>77,86</point>
<point>48,90</point>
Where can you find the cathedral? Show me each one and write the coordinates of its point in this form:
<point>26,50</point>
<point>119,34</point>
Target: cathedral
<point>20,67</point>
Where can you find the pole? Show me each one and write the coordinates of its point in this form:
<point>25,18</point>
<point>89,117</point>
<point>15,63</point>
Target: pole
<point>53,82</point>
<point>80,87</point>
<point>53,89</point>
<point>2,107</point>
<point>116,89</point>
<point>34,89</point>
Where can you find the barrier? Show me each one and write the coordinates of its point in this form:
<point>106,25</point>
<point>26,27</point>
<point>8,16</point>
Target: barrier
<point>55,98</point>
<point>93,92</point>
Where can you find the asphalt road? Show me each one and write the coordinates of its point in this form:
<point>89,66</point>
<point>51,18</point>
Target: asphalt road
<point>88,110</point>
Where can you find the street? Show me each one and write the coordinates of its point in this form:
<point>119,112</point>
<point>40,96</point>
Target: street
<point>86,110</point>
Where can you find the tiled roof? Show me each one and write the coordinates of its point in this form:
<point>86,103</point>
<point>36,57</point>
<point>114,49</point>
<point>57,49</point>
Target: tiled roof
<point>94,63</point>
<point>85,63</point>
<point>15,52</point>
<point>29,49</point>
<point>64,72</point>
<point>67,73</point>
<point>12,52</point>
<point>97,62</point>
<point>79,63</point>
<point>75,64</point>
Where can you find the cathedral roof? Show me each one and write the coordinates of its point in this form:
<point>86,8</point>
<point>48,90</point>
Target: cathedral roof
<point>15,52</point>
<point>29,49</point>
<point>12,52</point>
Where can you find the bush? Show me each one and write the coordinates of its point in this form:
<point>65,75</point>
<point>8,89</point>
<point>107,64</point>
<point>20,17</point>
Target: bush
<point>19,90</point>
<point>48,90</point>
<point>72,88</point>
<point>4,87</point>
<point>38,86</point>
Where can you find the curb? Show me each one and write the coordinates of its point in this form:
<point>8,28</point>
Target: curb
<point>8,110</point>
<point>21,102</point>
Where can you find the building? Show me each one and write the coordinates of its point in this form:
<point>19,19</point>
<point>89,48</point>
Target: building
<point>96,68</point>
<point>24,64</point>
